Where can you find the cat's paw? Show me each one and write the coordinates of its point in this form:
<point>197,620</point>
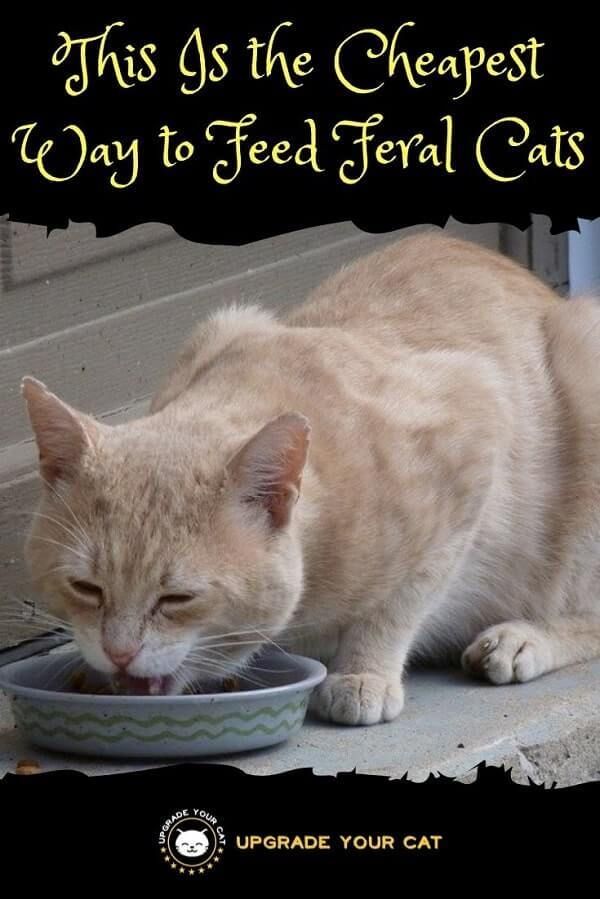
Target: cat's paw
<point>514,652</point>
<point>358,698</point>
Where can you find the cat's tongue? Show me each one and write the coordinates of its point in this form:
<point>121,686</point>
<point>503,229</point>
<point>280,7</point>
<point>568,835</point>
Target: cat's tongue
<point>142,686</point>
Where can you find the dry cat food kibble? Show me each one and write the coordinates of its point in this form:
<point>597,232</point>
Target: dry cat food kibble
<point>26,766</point>
<point>80,684</point>
<point>228,685</point>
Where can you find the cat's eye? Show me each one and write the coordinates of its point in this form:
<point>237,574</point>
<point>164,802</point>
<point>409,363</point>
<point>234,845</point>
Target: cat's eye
<point>87,590</point>
<point>170,602</point>
<point>174,599</point>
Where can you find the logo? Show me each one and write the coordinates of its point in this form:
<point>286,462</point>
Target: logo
<point>191,842</point>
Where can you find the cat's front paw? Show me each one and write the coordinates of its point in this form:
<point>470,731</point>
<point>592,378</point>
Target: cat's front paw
<point>513,652</point>
<point>358,698</point>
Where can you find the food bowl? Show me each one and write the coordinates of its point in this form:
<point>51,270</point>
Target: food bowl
<point>190,725</point>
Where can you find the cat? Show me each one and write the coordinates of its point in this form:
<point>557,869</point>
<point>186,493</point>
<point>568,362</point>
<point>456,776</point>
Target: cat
<point>191,843</point>
<point>404,468</point>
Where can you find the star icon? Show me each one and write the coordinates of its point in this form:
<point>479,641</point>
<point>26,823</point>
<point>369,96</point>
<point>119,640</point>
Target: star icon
<point>182,870</point>
<point>201,871</point>
<point>209,866</point>
<point>173,865</point>
<point>190,872</point>
<point>221,851</point>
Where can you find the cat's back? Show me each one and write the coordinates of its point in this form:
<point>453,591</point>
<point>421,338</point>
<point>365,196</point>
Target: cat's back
<point>428,311</point>
<point>436,289</point>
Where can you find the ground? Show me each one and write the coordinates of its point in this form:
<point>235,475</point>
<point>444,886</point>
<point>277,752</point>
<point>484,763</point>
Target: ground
<point>547,730</point>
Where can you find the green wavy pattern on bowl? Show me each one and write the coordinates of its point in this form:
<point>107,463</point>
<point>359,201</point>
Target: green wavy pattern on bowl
<point>53,723</point>
<point>51,714</point>
<point>35,726</point>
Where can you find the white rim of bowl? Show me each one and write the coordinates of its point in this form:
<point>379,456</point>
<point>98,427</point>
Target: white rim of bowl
<point>309,681</point>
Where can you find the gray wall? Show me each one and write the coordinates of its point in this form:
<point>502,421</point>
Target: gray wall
<point>98,321</point>
<point>584,258</point>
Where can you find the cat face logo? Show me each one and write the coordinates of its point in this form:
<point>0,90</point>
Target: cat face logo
<point>191,841</point>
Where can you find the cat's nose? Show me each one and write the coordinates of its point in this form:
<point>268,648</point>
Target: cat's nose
<point>122,657</point>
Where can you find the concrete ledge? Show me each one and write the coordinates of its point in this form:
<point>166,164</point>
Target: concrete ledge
<point>548,730</point>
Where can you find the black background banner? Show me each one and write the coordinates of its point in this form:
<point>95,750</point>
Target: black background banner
<point>271,198</point>
<point>65,828</point>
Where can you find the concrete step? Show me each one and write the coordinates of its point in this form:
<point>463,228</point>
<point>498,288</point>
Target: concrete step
<point>547,730</point>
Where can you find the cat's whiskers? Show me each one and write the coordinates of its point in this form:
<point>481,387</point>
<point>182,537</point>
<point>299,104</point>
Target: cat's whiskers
<point>202,657</point>
<point>218,654</point>
<point>224,664</point>
<point>182,680</point>
<point>20,611</point>
<point>82,555</point>
<point>78,535</point>
<point>58,568</point>
<point>20,512</point>
<point>247,666</point>
<point>65,504</point>
<point>27,605</point>
<point>231,643</point>
<point>19,625</point>
<point>62,673</point>
<point>268,639</point>
<point>215,642</point>
<point>209,666</point>
<point>255,630</point>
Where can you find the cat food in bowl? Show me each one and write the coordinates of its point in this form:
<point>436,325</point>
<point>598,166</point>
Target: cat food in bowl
<point>85,717</point>
<point>80,682</point>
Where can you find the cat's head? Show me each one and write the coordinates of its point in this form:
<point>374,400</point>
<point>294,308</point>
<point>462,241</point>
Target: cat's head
<point>169,552</point>
<point>191,843</point>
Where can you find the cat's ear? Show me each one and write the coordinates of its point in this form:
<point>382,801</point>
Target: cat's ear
<point>267,471</point>
<point>61,433</point>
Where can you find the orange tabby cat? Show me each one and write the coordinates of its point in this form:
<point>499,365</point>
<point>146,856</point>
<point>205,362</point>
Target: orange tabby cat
<point>448,504</point>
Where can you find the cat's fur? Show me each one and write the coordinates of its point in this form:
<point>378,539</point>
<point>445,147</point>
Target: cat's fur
<point>449,503</point>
